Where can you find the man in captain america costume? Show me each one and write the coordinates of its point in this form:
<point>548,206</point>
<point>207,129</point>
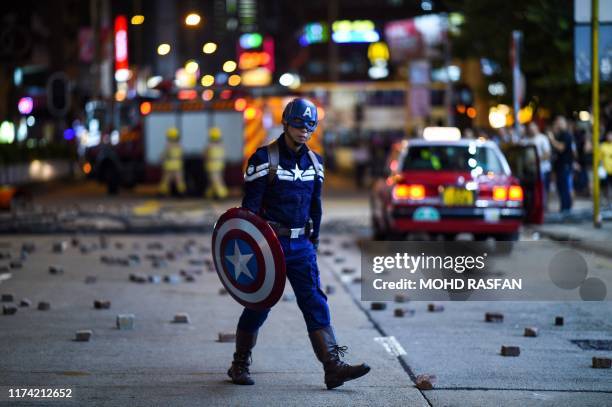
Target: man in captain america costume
<point>283,184</point>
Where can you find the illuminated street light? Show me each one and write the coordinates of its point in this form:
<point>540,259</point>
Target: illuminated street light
<point>192,19</point>
<point>191,66</point>
<point>229,66</point>
<point>163,49</point>
<point>209,48</point>
<point>234,80</point>
<point>207,80</point>
<point>137,19</point>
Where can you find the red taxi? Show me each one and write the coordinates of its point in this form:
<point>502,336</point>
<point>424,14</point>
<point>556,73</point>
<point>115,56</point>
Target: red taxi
<point>445,185</point>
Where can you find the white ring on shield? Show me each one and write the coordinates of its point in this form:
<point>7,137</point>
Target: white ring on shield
<point>268,283</point>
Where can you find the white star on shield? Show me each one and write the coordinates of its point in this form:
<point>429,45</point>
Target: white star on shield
<point>239,262</point>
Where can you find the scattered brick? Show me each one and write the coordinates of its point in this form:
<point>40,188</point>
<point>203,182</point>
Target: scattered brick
<point>154,279</point>
<point>531,332</point>
<point>74,241</point>
<point>494,317</point>
<point>8,298</point>
<point>155,246</point>
<point>9,309</point>
<point>91,279</point>
<point>102,304</point>
<point>222,291</point>
<point>181,318</point>
<point>138,278</point>
<point>400,298</point>
<point>25,302</point>
<point>339,260</point>
<point>4,269</point>
<point>348,270</point>
<point>425,381</point>
<point>227,337</point>
<point>327,253</point>
<point>197,262</point>
<point>602,363</point>
<point>435,307</point>
<point>60,247</point>
<point>357,280</point>
<point>403,312</point>
<point>559,321</point>
<point>190,278</point>
<point>172,279</point>
<point>5,256</point>
<point>330,289</point>
<point>119,245</point>
<point>15,264</point>
<point>125,321</point>
<point>56,270</point>
<point>44,306</point>
<point>83,336</point>
<point>28,248</point>
<point>378,306</point>
<point>510,351</point>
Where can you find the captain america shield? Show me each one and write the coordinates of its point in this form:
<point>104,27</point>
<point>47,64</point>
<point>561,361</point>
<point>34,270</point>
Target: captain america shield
<point>248,258</point>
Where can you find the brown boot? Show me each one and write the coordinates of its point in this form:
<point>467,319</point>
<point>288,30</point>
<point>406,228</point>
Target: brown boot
<point>328,352</point>
<point>239,371</point>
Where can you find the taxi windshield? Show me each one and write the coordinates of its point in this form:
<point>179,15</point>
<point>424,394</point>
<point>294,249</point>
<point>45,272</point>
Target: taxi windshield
<point>470,158</point>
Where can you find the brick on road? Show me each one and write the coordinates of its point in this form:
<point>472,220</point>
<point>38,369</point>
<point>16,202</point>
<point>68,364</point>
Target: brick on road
<point>172,279</point>
<point>44,306</point>
<point>102,304</point>
<point>60,247</point>
<point>510,351</point>
<point>559,321</point>
<point>435,307</point>
<point>154,279</point>
<point>181,318</point>
<point>91,279</point>
<point>227,337</point>
<point>16,264</point>
<point>378,306</point>
<point>402,312</point>
<point>531,332</point>
<point>494,317</point>
<point>330,289</point>
<point>425,381</point>
<point>25,302</point>
<point>602,363</point>
<point>55,270</point>
<point>9,309</point>
<point>8,298</point>
<point>222,291</point>
<point>400,298</point>
<point>125,321</point>
<point>83,336</point>
<point>348,270</point>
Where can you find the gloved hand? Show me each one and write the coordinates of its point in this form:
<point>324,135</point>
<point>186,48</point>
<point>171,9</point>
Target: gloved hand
<point>315,243</point>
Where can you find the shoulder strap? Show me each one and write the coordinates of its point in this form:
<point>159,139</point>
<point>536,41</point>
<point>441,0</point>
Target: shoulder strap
<point>273,157</point>
<point>315,163</point>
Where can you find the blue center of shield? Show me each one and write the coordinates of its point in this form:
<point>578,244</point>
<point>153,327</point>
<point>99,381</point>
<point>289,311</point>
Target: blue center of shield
<point>240,261</point>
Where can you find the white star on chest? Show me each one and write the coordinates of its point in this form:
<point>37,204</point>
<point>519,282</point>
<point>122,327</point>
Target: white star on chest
<point>297,173</point>
<point>240,261</point>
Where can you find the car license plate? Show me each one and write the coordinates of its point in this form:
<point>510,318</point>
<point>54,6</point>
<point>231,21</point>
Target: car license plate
<point>457,197</point>
<point>426,214</point>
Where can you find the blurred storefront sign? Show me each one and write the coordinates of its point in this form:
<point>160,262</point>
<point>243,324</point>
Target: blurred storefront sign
<point>346,31</point>
<point>411,38</point>
<point>122,71</point>
<point>86,45</point>
<point>314,33</point>
<point>256,63</point>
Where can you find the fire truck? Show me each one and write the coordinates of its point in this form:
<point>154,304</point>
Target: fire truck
<point>129,152</point>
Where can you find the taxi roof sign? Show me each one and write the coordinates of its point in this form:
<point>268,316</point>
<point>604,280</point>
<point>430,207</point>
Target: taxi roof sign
<point>441,134</point>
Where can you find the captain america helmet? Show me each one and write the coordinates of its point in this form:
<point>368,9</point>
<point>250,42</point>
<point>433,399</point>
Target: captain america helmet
<point>301,113</point>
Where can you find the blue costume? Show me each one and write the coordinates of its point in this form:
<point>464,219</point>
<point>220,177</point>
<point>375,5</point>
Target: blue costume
<point>284,187</point>
<point>290,199</point>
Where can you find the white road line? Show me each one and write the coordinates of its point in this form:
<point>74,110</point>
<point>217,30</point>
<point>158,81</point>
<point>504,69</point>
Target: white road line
<point>391,345</point>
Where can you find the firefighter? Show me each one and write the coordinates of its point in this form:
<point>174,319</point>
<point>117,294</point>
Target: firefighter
<point>172,167</point>
<point>214,164</point>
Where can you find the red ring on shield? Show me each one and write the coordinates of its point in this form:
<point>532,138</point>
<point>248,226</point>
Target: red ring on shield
<point>269,284</point>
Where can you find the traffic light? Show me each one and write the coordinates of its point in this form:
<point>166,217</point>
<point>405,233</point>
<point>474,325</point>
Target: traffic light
<point>58,94</point>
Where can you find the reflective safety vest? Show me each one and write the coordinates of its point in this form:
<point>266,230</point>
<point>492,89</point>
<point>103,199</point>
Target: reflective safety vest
<point>215,157</point>
<point>173,157</point>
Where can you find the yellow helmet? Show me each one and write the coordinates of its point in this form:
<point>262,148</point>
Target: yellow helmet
<point>214,133</point>
<point>172,133</point>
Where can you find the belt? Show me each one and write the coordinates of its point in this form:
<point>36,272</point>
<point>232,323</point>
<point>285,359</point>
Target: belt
<point>292,233</point>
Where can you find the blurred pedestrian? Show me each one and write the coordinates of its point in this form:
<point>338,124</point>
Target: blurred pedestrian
<point>172,164</point>
<point>562,143</point>
<point>214,163</point>
<point>606,163</point>
<point>542,145</point>
<point>361,156</point>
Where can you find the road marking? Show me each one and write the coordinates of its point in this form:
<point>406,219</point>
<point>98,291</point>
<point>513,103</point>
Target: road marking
<point>391,345</point>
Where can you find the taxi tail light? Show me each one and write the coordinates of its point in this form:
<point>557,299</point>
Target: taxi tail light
<point>414,191</point>
<point>515,193</point>
<point>500,193</point>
